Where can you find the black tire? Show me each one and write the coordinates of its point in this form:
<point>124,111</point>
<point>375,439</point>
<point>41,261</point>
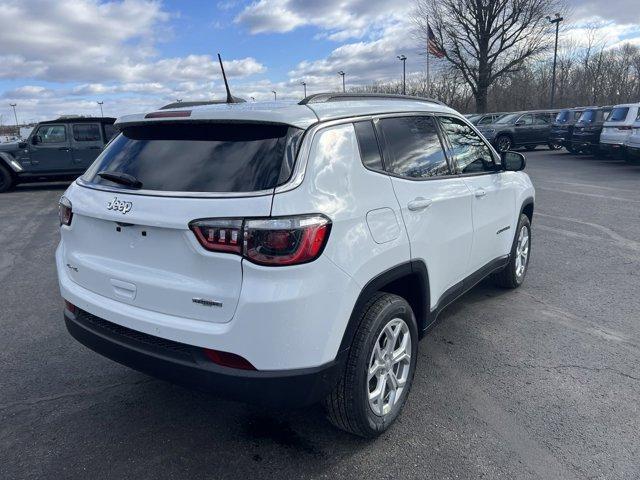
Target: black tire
<point>6,179</point>
<point>554,146</point>
<point>509,277</point>
<point>348,406</point>
<point>530,147</point>
<point>503,143</point>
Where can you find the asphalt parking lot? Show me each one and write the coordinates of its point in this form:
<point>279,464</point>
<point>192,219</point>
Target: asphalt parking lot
<point>542,382</point>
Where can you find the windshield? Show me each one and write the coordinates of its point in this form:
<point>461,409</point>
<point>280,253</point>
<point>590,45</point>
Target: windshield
<point>203,157</point>
<point>619,114</point>
<point>510,118</point>
<point>588,116</point>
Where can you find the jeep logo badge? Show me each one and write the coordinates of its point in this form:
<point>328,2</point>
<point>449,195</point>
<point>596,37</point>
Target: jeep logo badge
<point>119,205</point>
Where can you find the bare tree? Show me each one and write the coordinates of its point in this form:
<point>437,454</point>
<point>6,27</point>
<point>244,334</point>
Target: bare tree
<point>485,40</point>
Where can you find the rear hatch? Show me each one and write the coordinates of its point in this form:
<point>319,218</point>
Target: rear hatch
<point>129,238</point>
<point>618,125</point>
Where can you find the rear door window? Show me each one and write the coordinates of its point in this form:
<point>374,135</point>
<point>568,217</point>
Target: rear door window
<point>201,157</point>
<point>413,146</point>
<point>86,132</point>
<point>619,114</point>
<point>540,120</point>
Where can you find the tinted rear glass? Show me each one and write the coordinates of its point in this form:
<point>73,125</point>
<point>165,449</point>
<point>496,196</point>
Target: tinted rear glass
<point>236,157</point>
<point>589,116</point>
<point>414,147</point>
<point>564,116</point>
<point>619,114</point>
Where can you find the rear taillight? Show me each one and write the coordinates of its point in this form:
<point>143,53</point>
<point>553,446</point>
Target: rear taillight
<point>65,212</point>
<point>269,241</point>
<point>219,235</point>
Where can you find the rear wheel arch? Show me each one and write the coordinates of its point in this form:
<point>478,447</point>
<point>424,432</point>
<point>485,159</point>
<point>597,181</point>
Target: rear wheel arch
<point>409,280</point>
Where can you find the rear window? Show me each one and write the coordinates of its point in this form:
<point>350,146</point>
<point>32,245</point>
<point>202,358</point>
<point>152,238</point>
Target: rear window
<point>188,157</point>
<point>588,116</point>
<point>619,114</point>
<point>564,116</point>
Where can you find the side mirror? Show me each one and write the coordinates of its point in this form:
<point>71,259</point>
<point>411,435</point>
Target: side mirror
<point>513,161</point>
<point>36,139</point>
<point>519,123</point>
<point>22,144</point>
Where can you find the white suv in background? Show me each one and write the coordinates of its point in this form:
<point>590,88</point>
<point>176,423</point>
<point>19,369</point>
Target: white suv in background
<point>618,127</point>
<point>287,254</point>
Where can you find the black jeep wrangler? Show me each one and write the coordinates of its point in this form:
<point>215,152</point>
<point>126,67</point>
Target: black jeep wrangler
<point>55,150</point>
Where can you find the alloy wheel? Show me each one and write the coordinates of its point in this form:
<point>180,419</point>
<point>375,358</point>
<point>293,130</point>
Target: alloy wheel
<point>504,144</point>
<point>389,367</point>
<point>522,251</point>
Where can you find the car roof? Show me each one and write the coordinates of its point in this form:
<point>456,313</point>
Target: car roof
<point>301,115</point>
<point>80,119</point>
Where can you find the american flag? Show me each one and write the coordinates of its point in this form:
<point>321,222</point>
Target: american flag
<point>432,46</point>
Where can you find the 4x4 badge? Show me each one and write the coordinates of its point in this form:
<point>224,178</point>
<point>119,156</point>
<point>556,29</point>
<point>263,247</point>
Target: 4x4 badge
<point>119,205</point>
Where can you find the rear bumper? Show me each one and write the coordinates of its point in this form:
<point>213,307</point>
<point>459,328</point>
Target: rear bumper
<point>188,366</point>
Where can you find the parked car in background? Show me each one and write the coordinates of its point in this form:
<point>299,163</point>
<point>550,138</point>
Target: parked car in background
<point>520,129</point>
<point>486,118</point>
<point>56,149</point>
<point>587,130</point>
<point>562,127</point>
<point>618,127</point>
<point>632,144</point>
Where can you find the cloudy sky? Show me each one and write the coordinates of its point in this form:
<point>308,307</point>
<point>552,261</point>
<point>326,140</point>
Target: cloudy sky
<point>61,57</point>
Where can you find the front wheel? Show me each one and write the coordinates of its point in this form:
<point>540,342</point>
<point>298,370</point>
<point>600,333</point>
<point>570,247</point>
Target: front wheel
<point>504,143</point>
<point>512,276</point>
<point>379,371</point>
<point>6,179</point>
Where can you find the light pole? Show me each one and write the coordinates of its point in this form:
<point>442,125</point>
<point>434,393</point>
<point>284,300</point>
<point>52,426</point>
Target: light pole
<point>403,59</point>
<point>15,115</point>
<point>341,73</point>
<point>557,21</point>
<point>275,95</point>
<point>304,85</point>
<point>101,113</point>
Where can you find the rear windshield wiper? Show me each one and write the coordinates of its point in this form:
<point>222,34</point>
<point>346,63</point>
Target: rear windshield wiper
<point>121,178</point>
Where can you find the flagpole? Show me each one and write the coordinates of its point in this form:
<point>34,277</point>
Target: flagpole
<point>428,77</point>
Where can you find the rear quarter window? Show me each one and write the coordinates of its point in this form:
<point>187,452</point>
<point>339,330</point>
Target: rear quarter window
<point>201,157</point>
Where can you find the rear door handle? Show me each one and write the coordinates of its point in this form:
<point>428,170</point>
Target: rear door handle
<point>480,193</point>
<point>419,204</point>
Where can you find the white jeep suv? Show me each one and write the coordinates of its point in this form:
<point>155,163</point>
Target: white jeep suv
<point>287,254</point>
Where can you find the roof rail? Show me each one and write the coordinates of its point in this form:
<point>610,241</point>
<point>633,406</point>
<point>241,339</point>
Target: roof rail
<point>338,97</point>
